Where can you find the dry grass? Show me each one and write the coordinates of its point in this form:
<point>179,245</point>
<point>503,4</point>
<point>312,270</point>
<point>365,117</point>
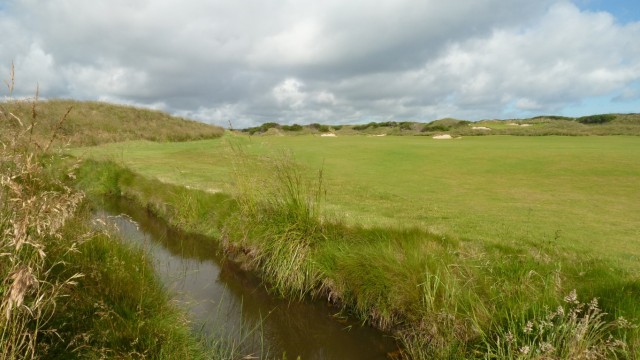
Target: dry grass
<point>33,209</point>
<point>65,288</point>
<point>93,123</point>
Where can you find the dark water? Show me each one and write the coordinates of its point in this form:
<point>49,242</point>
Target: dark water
<point>225,301</point>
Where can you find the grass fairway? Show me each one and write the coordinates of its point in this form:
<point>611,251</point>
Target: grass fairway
<point>579,193</point>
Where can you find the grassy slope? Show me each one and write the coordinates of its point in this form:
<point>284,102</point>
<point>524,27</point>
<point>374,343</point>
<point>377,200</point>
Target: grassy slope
<point>577,193</point>
<point>92,123</point>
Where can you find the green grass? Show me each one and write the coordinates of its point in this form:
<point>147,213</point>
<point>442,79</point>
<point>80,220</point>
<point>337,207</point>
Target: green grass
<point>92,123</point>
<point>118,309</point>
<point>577,193</point>
<point>448,243</point>
<point>68,290</point>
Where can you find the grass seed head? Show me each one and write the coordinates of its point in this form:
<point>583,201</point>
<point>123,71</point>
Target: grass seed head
<point>22,280</point>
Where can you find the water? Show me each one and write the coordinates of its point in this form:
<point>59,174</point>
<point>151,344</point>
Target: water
<point>225,301</point>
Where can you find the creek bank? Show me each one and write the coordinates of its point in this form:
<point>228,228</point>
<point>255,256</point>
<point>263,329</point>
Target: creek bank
<point>298,256</point>
<point>442,297</point>
<point>229,303</point>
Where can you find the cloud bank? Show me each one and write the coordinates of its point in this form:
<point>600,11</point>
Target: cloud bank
<point>335,62</point>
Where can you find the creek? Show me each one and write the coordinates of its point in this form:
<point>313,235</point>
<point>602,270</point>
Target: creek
<point>226,302</point>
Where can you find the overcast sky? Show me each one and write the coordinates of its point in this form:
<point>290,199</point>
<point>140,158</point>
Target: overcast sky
<point>330,61</point>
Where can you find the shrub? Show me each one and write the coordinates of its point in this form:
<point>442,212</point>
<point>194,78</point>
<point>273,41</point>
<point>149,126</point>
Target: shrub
<point>596,119</point>
<point>361,127</point>
<point>551,117</point>
<point>294,127</point>
<point>430,127</point>
<point>406,125</point>
<point>262,128</point>
<point>319,127</point>
<point>269,125</point>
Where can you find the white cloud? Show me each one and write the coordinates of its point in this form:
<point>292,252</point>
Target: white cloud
<point>528,104</point>
<point>289,93</point>
<point>105,79</point>
<point>334,60</point>
<point>324,98</point>
<point>235,115</point>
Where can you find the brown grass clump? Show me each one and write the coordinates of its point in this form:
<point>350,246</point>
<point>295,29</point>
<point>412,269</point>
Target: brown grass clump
<point>33,209</point>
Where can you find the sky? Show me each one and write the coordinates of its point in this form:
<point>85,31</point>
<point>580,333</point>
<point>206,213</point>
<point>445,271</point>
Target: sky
<point>247,62</point>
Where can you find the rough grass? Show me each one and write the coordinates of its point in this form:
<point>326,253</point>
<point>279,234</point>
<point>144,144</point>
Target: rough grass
<point>92,123</point>
<point>118,309</point>
<point>67,291</point>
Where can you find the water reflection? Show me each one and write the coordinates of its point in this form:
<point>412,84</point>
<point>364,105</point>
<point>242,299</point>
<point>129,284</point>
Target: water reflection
<point>225,300</point>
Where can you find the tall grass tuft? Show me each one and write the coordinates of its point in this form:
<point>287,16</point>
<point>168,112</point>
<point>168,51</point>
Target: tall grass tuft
<point>34,208</point>
<point>278,222</point>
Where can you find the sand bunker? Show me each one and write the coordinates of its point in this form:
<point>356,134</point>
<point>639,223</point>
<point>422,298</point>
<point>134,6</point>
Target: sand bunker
<point>328,135</point>
<point>480,128</point>
<point>443,137</point>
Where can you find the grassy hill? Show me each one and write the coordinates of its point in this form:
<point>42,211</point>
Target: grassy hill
<point>93,123</point>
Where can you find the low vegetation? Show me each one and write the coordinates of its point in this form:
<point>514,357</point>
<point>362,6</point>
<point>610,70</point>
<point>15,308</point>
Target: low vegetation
<point>603,124</point>
<point>68,290</point>
<point>442,296</point>
<point>444,125</point>
<point>276,128</point>
<point>91,123</point>
<point>596,119</point>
